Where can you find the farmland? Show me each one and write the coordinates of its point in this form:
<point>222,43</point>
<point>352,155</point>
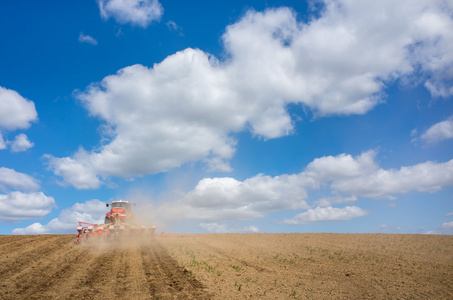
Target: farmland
<point>230,266</point>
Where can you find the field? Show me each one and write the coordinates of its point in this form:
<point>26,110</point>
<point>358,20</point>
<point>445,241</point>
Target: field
<point>230,266</point>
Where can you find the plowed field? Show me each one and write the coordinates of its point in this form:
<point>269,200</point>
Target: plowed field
<point>230,266</point>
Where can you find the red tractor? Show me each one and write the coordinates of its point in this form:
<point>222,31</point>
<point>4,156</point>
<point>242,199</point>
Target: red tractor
<point>120,212</point>
<point>119,222</point>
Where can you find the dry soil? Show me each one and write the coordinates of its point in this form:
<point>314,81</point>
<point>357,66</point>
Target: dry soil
<point>229,266</point>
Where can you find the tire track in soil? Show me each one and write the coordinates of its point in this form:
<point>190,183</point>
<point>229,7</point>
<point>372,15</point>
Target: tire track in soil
<point>166,279</point>
<point>24,254</point>
<point>56,268</point>
<point>137,276</point>
<point>97,276</point>
<point>27,256</point>
<point>42,267</point>
<point>136,272</point>
<point>122,270</point>
<point>13,242</point>
<point>69,278</point>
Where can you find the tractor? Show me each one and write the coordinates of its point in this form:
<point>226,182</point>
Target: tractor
<point>119,223</point>
<point>120,212</point>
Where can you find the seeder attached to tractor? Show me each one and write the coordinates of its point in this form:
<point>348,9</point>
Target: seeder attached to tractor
<point>119,223</point>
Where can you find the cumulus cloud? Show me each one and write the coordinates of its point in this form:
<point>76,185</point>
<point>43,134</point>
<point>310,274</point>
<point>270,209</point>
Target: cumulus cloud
<point>10,179</point>
<point>20,200</point>
<point>87,39</point>
<point>424,177</point>
<point>151,135</point>
<point>347,177</point>
<point>223,228</point>
<point>35,228</point>
<point>16,206</point>
<point>215,201</point>
<point>136,12</point>
<point>76,170</point>
<point>21,143</point>
<point>323,214</point>
<point>227,199</point>
<point>16,112</point>
<point>188,107</point>
<point>438,132</point>
<point>341,166</point>
<point>92,211</point>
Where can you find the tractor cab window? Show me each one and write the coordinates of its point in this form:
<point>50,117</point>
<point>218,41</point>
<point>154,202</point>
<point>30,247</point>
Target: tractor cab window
<point>121,205</point>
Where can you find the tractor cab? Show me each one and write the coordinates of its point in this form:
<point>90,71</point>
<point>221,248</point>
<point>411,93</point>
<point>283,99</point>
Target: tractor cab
<point>121,204</point>
<point>119,210</point>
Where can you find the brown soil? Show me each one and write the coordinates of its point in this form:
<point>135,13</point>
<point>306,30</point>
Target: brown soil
<point>53,267</point>
<point>230,266</point>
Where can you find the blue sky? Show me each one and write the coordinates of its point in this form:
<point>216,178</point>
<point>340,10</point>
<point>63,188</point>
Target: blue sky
<point>228,116</point>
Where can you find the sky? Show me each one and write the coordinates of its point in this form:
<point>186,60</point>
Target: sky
<point>228,116</point>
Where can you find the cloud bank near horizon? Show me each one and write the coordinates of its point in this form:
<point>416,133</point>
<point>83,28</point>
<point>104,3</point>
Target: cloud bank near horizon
<point>215,201</point>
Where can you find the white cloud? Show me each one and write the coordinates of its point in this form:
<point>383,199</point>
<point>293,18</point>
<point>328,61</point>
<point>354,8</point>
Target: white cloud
<point>87,39</point>
<point>447,226</point>
<point>75,170</point>
<point>320,214</point>
<point>2,142</point>
<point>151,135</point>
<point>215,200</point>
<point>449,214</point>
<point>439,89</point>
<point>16,112</point>
<point>35,228</point>
<point>187,107</point>
<point>341,166</point>
<point>21,143</point>
<point>223,228</point>
<point>227,199</point>
<point>10,179</point>
<point>329,201</point>
<point>361,177</point>
<point>19,205</point>
<point>172,26</point>
<point>92,211</point>
<point>424,177</point>
<point>135,12</point>
<point>430,232</point>
<point>438,132</point>
<point>16,206</point>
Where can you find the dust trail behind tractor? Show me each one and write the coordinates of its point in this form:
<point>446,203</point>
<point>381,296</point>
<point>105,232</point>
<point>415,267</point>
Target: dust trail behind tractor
<point>120,225</point>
